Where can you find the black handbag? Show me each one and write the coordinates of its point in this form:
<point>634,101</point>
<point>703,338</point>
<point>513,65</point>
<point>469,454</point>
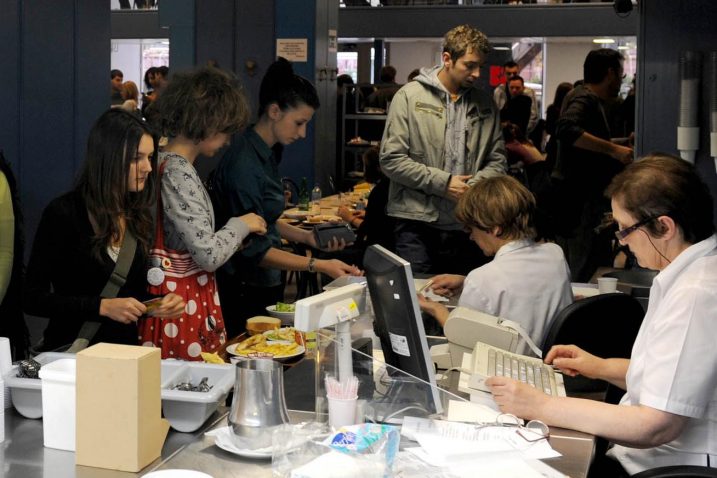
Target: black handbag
<point>325,232</point>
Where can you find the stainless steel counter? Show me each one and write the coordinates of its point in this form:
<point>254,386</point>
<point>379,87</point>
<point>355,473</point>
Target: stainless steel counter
<point>22,455</point>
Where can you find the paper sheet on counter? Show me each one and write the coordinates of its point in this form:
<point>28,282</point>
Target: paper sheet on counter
<point>409,464</point>
<point>443,440</point>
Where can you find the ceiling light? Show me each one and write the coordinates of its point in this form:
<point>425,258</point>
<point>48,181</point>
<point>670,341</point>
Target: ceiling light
<point>603,40</point>
<point>502,48</point>
<point>623,47</point>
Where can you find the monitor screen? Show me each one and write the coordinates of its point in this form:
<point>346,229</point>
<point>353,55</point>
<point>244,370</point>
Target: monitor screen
<point>398,322</point>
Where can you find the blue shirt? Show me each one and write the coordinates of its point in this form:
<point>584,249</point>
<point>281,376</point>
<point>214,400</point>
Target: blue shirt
<point>247,180</point>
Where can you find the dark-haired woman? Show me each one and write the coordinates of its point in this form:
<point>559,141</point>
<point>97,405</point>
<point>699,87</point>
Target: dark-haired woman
<point>247,179</point>
<point>669,414</point>
<point>197,111</point>
<point>81,233</point>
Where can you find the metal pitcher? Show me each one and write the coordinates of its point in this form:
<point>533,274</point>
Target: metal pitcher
<point>259,405</point>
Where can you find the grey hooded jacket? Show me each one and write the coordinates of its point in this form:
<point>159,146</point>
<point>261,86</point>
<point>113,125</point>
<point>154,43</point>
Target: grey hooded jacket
<point>412,150</point>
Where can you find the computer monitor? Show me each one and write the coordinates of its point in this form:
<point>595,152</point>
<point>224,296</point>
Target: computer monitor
<point>398,322</point>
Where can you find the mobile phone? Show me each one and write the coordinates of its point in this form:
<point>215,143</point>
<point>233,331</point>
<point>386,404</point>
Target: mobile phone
<point>152,304</point>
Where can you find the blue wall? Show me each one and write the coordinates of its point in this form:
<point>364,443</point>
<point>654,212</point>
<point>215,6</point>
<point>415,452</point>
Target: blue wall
<point>55,63</point>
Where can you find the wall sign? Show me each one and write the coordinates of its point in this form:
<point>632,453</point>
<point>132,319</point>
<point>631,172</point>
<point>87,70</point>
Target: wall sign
<point>293,49</point>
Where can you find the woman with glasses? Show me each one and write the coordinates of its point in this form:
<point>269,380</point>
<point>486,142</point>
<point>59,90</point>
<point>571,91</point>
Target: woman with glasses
<point>669,414</point>
<point>526,282</point>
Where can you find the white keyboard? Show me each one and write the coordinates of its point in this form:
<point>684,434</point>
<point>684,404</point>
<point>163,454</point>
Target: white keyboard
<point>488,361</point>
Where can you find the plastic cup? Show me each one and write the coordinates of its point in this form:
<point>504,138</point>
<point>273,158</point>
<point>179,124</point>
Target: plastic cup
<point>607,284</point>
<point>342,412</point>
<point>5,366</point>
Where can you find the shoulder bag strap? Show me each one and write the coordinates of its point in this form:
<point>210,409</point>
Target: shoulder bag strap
<point>114,283</point>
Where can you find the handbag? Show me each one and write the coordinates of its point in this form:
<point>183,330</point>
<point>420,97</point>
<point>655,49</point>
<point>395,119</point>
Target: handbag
<point>200,328</point>
<point>323,233</point>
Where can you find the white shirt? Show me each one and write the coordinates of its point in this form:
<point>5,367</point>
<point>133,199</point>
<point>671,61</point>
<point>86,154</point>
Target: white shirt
<point>526,282</point>
<point>673,365</point>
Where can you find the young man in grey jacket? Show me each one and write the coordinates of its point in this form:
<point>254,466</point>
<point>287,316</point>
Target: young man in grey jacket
<point>442,135</point>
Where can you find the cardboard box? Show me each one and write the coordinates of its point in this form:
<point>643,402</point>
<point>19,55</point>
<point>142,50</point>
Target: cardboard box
<point>119,407</point>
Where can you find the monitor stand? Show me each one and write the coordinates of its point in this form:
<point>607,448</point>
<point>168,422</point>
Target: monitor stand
<point>404,396</point>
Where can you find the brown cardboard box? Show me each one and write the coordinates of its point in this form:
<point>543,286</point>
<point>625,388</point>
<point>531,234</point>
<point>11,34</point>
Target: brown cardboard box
<point>119,407</point>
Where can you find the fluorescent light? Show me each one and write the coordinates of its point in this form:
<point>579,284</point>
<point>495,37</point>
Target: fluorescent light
<point>603,40</point>
<point>623,47</point>
<point>502,48</point>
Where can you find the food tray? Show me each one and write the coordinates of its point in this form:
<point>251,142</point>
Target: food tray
<point>26,393</point>
<point>187,411</point>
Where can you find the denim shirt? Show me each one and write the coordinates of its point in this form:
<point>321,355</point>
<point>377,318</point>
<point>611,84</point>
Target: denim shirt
<point>247,180</point>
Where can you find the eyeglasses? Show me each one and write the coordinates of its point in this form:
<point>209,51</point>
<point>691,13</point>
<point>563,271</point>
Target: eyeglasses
<point>623,233</point>
<point>532,432</point>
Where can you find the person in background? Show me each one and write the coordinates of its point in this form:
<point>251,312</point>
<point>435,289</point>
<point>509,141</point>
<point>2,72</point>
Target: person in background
<point>12,321</point>
<point>81,233</point>
<point>587,160</point>
<point>668,415</point>
<point>501,94</point>
<point>373,225</point>
<point>521,152</point>
<point>247,179</point>
<point>526,282</point>
<point>198,111</point>
<point>385,90</point>
<point>130,95</point>
<point>517,107</point>
<point>551,120</point>
<point>442,135</point>
<point>116,78</point>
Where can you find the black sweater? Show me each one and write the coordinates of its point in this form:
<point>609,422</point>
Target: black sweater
<point>64,280</point>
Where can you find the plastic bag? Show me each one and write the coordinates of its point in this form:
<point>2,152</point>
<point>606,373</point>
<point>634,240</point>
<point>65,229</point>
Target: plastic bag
<point>360,451</point>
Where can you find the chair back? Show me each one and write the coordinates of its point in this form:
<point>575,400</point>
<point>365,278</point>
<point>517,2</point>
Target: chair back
<point>678,471</point>
<point>604,325</point>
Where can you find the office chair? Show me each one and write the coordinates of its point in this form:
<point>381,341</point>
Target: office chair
<point>604,325</point>
<point>678,471</point>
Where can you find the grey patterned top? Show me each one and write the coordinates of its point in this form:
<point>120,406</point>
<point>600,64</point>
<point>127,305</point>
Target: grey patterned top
<point>189,216</point>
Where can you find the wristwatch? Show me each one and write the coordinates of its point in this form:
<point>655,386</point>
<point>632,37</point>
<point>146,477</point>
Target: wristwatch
<point>312,264</point>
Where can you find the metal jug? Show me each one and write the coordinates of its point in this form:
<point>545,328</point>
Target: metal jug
<point>259,405</point>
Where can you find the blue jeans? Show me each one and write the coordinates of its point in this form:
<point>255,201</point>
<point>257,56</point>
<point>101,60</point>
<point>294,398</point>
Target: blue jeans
<point>436,251</point>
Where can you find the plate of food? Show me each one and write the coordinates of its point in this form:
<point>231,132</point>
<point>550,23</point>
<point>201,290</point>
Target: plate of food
<point>322,218</point>
<point>284,335</point>
<point>296,213</point>
<point>259,346</point>
<point>282,311</point>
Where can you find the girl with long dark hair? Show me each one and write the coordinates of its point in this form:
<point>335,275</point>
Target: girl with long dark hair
<point>81,233</point>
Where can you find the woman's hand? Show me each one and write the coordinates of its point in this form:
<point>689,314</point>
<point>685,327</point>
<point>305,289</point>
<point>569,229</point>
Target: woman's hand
<point>336,268</point>
<point>124,310</point>
<point>256,223</point>
<point>573,361</point>
<point>335,244</point>
<point>517,398</point>
<point>170,306</point>
<point>447,284</point>
<point>345,213</point>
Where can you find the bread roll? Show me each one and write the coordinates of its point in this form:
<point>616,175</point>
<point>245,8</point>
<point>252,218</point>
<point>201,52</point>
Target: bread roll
<point>262,323</point>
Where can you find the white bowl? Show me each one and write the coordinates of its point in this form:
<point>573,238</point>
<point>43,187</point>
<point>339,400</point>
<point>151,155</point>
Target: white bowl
<point>287,318</point>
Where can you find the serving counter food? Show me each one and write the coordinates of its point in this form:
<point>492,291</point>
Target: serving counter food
<point>23,456</point>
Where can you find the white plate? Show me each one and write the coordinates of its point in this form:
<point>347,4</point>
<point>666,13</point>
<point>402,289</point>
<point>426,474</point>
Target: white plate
<point>243,452</point>
<point>231,349</point>
<point>177,474</point>
<point>286,317</point>
<point>296,213</point>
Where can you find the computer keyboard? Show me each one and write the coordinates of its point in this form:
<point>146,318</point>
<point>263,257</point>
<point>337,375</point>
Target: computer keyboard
<point>488,361</point>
